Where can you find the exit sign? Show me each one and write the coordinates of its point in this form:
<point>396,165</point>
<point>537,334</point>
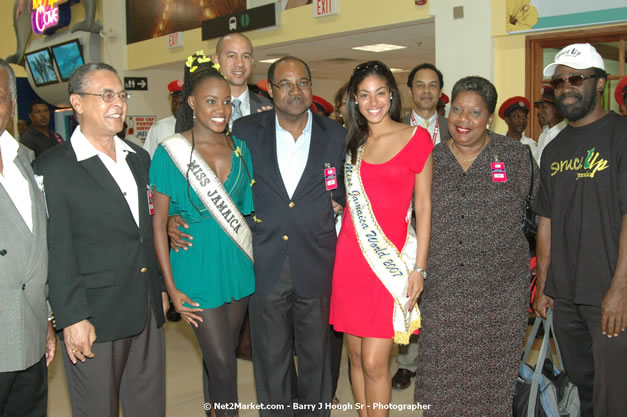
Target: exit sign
<point>322,8</point>
<point>175,40</point>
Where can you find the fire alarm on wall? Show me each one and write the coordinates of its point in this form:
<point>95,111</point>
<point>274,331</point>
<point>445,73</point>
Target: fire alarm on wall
<point>420,2</point>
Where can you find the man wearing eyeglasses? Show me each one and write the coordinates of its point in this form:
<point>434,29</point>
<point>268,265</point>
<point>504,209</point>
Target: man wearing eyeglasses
<point>298,158</point>
<point>105,287</point>
<point>582,234</point>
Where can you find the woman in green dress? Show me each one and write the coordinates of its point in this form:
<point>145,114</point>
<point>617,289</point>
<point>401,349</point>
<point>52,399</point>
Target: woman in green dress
<point>209,283</point>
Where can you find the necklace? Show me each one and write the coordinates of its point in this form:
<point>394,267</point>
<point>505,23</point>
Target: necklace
<point>450,146</point>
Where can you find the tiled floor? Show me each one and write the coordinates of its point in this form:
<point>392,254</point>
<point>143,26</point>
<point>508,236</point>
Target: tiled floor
<point>184,380</point>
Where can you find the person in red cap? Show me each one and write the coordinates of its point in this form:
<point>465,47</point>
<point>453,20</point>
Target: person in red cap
<point>442,102</point>
<point>550,119</point>
<point>164,128</point>
<point>620,95</point>
<point>515,112</point>
<point>321,107</point>
<point>582,233</point>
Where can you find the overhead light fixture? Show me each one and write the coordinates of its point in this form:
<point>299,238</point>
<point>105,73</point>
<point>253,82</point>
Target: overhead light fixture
<point>379,47</point>
<point>398,70</point>
<point>269,61</point>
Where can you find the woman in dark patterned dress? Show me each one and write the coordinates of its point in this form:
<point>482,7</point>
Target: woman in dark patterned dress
<point>474,305</point>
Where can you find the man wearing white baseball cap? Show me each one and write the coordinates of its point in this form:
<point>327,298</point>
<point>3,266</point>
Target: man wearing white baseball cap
<point>582,234</point>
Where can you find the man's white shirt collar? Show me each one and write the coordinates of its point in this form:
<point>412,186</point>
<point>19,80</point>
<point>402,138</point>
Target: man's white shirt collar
<point>424,122</point>
<point>306,130</point>
<point>85,150</point>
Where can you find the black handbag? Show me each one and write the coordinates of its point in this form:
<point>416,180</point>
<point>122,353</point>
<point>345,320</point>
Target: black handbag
<point>529,220</point>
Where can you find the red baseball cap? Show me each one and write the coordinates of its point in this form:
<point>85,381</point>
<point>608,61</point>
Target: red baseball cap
<point>263,84</point>
<point>328,107</point>
<point>621,91</point>
<point>174,86</point>
<point>514,103</point>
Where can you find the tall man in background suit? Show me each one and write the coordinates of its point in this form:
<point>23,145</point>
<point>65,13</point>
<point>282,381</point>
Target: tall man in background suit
<point>105,286</point>
<point>27,341</point>
<point>425,84</point>
<point>234,53</point>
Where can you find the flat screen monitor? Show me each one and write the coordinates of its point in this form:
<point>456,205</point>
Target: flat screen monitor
<point>68,56</point>
<point>41,68</point>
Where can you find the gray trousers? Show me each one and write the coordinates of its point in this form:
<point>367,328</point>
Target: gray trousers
<point>282,323</point>
<point>408,354</point>
<point>131,370</point>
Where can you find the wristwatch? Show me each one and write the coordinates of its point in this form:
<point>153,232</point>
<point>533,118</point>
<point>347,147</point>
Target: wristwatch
<point>422,271</point>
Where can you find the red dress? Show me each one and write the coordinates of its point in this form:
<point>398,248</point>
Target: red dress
<point>360,304</point>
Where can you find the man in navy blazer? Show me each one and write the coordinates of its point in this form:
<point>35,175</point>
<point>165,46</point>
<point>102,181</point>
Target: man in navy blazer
<point>293,240</point>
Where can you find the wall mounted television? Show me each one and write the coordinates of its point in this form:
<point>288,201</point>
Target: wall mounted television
<point>40,64</point>
<point>68,56</point>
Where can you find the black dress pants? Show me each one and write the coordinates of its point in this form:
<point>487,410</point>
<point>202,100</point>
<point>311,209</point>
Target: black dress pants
<point>282,323</point>
<point>25,393</point>
<point>596,363</point>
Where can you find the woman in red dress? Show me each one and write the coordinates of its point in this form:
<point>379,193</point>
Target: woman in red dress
<point>380,266</point>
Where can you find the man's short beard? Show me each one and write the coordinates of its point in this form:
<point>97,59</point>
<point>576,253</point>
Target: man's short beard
<point>576,111</point>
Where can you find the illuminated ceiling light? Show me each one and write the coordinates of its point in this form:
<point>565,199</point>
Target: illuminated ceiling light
<point>269,61</point>
<point>398,70</point>
<point>379,47</point>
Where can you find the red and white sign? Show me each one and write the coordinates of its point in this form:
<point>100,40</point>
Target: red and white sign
<point>323,8</point>
<point>138,127</point>
<point>175,39</point>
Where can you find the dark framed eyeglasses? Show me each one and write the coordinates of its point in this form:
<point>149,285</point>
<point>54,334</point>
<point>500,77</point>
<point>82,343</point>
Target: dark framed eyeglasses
<point>108,96</point>
<point>286,86</point>
<point>574,80</point>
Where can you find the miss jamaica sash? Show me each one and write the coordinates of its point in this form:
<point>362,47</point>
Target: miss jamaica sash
<point>390,266</point>
<point>211,192</point>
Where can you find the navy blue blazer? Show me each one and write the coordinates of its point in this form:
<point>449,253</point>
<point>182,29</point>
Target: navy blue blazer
<point>304,224</point>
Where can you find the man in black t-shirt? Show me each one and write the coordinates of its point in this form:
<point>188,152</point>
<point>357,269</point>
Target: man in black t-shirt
<point>582,234</point>
<point>39,137</point>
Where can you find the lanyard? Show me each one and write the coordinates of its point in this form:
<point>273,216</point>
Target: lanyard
<point>436,129</point>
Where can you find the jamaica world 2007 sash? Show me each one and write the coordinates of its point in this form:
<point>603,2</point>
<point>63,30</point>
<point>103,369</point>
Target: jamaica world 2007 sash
<point>391,267</point>
<point>211,192</point>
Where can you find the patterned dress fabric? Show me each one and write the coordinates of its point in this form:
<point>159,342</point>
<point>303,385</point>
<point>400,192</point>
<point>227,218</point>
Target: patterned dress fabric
<point>474,306</point>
